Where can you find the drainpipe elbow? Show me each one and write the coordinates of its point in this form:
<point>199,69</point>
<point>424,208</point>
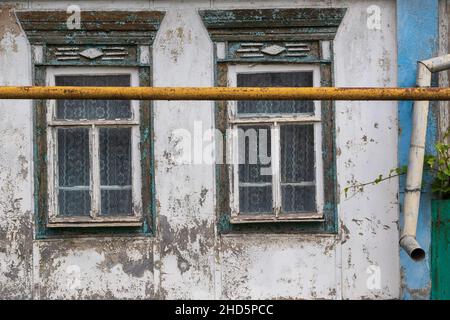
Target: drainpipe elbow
<point>412,247</point>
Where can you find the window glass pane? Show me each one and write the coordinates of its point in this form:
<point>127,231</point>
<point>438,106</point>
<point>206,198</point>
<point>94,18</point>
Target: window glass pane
<point>74,203</point>
<point>73,171</point>
<point>275,79</point>
<point>93,109</point>
<point>254,154</point>
<point>115,171</point>
<point>297,168</point>
<point>256,200</point>
<point>116,202</point>
<point>297,153</point>
<point>298,199</point>
<point>255,175</point>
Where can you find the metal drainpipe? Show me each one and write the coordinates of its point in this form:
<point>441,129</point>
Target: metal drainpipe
<point>416,156</point>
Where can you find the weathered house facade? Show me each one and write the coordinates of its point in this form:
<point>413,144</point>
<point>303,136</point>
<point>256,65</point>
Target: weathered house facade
<point>197,227</point>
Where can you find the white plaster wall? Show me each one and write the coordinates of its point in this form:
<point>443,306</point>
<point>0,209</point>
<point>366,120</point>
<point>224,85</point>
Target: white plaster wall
<point>367,145</point>
<point>16,192</point>
<point>184,192</point>
<point>109,268</point>
<point>187,259</point>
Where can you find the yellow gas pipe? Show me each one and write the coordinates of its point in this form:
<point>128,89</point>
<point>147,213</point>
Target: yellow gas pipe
<point>224,93</point>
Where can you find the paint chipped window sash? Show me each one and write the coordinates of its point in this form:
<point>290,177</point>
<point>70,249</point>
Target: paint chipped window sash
<point>285,183</point>
<point>94,170</point>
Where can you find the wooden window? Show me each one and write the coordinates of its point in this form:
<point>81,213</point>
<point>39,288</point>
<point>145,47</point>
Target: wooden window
<point>277,172</point>
<point>93,159</point>
<point>94,170</point>
<point>296,191</point>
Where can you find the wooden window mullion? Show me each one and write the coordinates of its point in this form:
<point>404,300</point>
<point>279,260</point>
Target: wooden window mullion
<point>275,164</point>
<point>95,172</point>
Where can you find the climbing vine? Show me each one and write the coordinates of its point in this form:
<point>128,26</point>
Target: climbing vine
<point>438,165</point>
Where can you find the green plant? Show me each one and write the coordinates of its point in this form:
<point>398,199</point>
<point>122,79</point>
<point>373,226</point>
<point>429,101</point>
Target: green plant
<point>438,165</point>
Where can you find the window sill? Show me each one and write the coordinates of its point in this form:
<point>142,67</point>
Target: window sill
<point>86,223</point>
<point>269,218</point>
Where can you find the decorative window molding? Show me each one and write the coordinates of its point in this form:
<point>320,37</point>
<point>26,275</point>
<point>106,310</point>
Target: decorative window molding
<point>118,42</point>
<point>277,37</point>
<point>114,27</point>
<point>289,35</point>
<point>104,38</point>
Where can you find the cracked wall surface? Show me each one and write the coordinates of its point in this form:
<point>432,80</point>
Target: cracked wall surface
<point>186,258</point>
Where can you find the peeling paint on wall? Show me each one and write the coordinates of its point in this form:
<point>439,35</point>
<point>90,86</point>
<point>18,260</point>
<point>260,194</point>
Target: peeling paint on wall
<point>186,258</point>
<point>9,29</point>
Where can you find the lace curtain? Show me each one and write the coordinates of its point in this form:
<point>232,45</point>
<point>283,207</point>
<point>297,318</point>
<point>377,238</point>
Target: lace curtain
<point>297,168</point>
<point>74,170</point>
<point>281,79</point>
<point>93,109</point>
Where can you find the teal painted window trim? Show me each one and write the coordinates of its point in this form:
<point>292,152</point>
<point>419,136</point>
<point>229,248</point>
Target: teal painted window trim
<point>147,169</point>
<point>329,222</point>
<point>38,27</point>
<point>308,28</point>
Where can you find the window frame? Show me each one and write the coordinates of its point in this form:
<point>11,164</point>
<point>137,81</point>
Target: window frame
<point>128,34</point>
<point>53,124</point>
<point>329,223</point>
<point>281,36</point>
<point>274,121</point>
